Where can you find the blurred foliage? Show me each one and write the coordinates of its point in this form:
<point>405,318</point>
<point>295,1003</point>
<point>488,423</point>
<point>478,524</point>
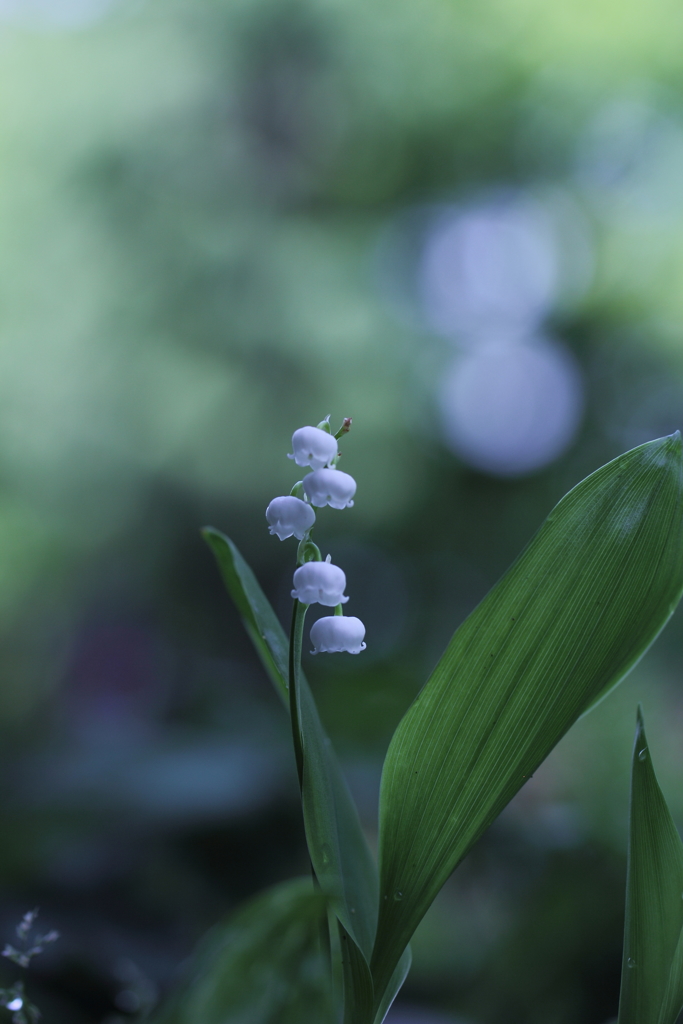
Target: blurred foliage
<point>194,203</point>
<point>264,966</point>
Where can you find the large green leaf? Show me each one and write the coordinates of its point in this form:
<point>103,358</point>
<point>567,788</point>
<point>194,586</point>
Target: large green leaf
<point>339,852</point>
<point>572,615</point>
<point>263,966</point>
<point>652,968</point>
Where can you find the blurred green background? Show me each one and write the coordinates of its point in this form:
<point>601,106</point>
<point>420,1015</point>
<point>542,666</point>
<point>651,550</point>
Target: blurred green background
<point>462,225</point>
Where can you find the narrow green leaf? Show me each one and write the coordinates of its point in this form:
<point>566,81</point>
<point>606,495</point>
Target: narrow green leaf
<point>258,617</point>
<point>342,860</point>
<point>358,988</point>
<point>395,984</point>
<point>672,1003</point>
<point>567,621</point>
<point>652,967</point>
<point>264,965</point>
<point>339,852</point>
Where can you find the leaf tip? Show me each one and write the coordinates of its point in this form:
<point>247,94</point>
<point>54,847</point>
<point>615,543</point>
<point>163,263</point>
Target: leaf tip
<point>641,739</point>
<point>666,453</point>
<point>671,444</point>
<point>215,539</point>
<point>640,723</point>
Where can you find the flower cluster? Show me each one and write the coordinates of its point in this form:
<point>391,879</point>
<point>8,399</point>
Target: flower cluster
<point>293,515</point>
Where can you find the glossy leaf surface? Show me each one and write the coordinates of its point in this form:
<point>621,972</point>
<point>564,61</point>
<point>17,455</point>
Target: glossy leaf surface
<point>571,616</point>
<point>652,968</point>
<point>341,858</point>
<point>263,966</point>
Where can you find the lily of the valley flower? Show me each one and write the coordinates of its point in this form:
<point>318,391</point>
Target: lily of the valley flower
<point>334,633</point>
<point>320,582</point>
<point>289,517</point>
<point>330,487</point>
<point>313,447</point>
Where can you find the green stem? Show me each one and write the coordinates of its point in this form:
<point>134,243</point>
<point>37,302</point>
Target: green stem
<point>295,645</point>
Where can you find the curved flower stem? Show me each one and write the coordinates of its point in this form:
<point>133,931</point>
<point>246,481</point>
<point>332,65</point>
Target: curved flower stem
<point>295,645</point>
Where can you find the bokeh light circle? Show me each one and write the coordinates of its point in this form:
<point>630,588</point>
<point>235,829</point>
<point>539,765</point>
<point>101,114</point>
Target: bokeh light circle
<point>509,408</point>
<point>488,267</point>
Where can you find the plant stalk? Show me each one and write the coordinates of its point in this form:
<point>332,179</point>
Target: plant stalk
<point>295,644</point>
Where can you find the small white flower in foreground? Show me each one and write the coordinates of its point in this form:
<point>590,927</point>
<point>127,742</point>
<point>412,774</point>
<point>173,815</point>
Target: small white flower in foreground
<point>289,517</point>
<point>330,487</point>
<point>335,633</point>
<point>320,582</point>
<point>313,447</point>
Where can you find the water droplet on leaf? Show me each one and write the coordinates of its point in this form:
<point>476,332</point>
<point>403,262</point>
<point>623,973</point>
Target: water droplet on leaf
<point>642,754</point>
<point>630,962</point>
<point>398,895</point>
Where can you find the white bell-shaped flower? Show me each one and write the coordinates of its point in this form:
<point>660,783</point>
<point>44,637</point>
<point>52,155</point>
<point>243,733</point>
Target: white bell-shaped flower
<point>313,447</point>
<point>335,633</point>
<point>330,487</point>
<point>289,517</point>
<point>320,582</point>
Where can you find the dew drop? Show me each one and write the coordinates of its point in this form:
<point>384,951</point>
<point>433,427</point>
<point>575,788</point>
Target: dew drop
<point>630,962</point>
<point>398,895</point>
<point>326,853</point>
<point>642,754</point>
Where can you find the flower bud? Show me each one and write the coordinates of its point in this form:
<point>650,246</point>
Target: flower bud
<point>319,582</point>
<point>335,633</point>
<point>330,487</point>
<point>313,447</point>
<point>289,517</point>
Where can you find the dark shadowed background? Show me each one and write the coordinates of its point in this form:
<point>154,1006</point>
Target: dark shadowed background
<point>220,220</point>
